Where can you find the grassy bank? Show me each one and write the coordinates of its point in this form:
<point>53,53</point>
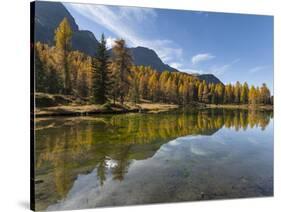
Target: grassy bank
<point>80,110</point>
<point>62,105</point>
<point>244,106</point>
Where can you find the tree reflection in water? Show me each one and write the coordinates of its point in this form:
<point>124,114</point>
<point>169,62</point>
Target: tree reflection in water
<point>67,147</point>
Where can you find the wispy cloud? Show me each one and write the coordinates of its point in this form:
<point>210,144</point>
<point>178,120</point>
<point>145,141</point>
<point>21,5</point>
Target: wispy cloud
<point>122,22</point>
<point>217,70</point>
<point>201,58</point>
<point>206,14</point>
<point>136,13</point>
<point>257,69</point>
<point>220,70</point>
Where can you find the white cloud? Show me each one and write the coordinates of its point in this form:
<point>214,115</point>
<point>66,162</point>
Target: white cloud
<point>122,22</point>
<point>176,65</point>
<point>110,42</point>
<point>201,58</point>
<point>192,71</point>
<point>181,67</point>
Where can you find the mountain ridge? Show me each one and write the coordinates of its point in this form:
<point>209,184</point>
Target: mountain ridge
<point>146,56</point>
<point>48,16</point>
<point>209,78</point>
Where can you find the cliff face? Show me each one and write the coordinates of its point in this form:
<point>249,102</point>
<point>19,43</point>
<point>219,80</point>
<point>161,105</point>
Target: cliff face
<point>48,16</point>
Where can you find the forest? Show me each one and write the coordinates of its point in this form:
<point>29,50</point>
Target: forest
<point>111,76</point>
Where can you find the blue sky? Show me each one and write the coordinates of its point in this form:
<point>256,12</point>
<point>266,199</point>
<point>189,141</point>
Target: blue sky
<point>231,46</point>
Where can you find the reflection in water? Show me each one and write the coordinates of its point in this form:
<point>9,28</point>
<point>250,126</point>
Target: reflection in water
<point>127,159</point>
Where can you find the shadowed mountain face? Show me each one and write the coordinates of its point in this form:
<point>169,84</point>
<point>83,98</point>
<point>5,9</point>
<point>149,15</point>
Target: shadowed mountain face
<point>85,41</point>
<point>48,16</point>
<point>209,78</point>
<point>148,57</point>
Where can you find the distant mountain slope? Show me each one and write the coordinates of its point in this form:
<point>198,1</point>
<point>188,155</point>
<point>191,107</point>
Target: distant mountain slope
<point>85,41</point>
<point>148,57</point>
<point>209,78</point>
<point>48,16</point>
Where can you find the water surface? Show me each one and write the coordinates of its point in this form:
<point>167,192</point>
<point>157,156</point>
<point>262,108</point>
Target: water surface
<point>112,160</point>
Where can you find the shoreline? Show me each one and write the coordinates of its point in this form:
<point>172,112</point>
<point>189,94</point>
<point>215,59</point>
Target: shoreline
<point>242,106</point>
<point>48,105</point>
<point>86,110</point>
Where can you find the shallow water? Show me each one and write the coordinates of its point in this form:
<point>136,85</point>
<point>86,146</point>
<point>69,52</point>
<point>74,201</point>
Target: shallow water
<point>113,160</point>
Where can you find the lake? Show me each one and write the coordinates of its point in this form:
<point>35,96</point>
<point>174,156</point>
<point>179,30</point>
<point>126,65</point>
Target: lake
<point>112,160</point>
